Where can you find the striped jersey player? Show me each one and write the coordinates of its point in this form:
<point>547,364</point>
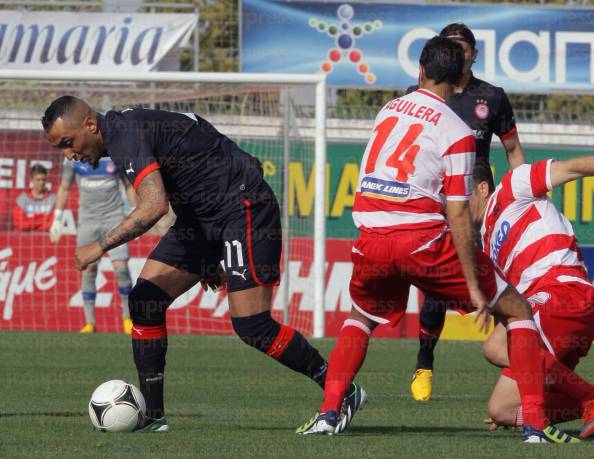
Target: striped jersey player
<point>535,246</point>
<point>402,189</point>
<point>526,236</point>
<point>412,210</point>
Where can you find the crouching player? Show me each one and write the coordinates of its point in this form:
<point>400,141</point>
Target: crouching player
<point>535,246</point>
<point>415,227</point>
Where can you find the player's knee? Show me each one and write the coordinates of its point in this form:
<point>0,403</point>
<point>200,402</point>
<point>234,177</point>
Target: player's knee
<point>148,303</point>
<point>502,413</point>
<point>88,282</point>
<point>258,330</point>
<point>494,354</point>
<point>124,281</point>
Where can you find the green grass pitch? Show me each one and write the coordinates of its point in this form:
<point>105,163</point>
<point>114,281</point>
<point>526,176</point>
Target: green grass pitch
<point>227,400</point>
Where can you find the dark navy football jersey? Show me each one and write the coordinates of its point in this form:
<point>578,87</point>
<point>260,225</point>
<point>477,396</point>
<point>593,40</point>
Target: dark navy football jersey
<point>486,110</point>
<point>203,171</point>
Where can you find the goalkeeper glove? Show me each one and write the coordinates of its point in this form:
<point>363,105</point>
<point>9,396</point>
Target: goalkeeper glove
<point>55,232</point>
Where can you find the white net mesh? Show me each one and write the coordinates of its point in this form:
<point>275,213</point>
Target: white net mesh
<point>39,287</point>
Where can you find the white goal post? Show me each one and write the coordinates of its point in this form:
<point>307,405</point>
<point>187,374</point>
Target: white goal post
<point>317,84</point>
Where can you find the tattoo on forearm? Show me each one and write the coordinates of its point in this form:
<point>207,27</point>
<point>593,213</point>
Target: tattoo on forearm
<point>129,229</point>
<point>150,191</point>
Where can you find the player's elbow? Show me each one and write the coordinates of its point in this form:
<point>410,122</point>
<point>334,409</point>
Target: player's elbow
<point>153,210</point>
<point>160,209</point>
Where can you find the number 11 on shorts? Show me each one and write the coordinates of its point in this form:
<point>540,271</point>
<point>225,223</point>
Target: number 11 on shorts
<point>229,245</point>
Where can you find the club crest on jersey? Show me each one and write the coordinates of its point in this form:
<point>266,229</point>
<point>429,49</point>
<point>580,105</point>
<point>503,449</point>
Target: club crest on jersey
<point>481,109</point>
<point>80,166</point>
<point>479,134</point>
<point>539,298</point>
<point>385,189</point>
<point>500,239</point>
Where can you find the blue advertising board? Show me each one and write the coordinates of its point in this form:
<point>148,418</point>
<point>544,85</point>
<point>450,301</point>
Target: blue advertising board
<point>378,44</point>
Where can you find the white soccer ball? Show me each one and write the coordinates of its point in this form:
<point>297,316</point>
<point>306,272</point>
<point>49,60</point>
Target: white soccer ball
<point>116,406</point>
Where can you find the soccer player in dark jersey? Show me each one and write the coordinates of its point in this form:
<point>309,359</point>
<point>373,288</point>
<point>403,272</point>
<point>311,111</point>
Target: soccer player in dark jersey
<point>486,110</point>
<point>224,209</point>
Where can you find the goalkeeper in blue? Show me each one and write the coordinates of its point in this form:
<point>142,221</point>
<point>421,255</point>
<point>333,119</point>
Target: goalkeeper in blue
<point>100,209</point>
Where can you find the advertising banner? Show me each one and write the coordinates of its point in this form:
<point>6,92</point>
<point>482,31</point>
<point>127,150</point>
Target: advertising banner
<point>90,41</point>
<point>378,44</point>
<point>40,289</point>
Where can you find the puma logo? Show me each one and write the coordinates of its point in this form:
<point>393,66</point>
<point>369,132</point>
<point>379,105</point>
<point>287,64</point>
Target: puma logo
<point>157,378</point>
<point>237,273</point>
<point>137,330</point>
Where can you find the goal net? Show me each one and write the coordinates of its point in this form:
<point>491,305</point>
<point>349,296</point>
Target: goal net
<point>278,120</point>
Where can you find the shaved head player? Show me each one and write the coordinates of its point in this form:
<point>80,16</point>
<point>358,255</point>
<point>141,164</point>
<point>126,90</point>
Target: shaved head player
<point>224,209</point>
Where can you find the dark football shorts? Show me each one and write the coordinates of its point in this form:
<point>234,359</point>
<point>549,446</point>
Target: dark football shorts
<point>248,241</point>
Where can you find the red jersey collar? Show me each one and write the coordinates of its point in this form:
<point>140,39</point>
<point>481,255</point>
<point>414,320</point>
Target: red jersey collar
<point>428,93</point>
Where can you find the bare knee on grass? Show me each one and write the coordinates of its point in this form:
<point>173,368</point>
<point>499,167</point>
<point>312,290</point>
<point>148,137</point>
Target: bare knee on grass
<point>504,402</point>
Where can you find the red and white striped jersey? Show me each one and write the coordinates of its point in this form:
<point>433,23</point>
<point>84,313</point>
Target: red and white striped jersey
<point>526,236</point>
<point>420,155</point>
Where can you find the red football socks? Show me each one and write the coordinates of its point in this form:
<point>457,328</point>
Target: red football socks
<point>345,361</point>
<point>526,362</point>
<point>558,407</point>
<point>566,381</point>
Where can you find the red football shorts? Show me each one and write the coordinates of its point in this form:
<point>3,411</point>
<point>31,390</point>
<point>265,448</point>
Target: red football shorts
<point>385,266</point>
<point>564,315</point>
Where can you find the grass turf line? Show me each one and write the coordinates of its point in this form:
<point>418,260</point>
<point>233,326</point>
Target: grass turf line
<point>227,400</point>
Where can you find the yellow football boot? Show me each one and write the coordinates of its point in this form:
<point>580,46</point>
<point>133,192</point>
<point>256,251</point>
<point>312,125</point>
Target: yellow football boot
<point>88,328</point>
<point>127,324</point>
<point>422,385</point>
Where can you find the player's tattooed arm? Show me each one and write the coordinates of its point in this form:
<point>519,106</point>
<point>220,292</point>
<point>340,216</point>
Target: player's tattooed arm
<point>152,204</point>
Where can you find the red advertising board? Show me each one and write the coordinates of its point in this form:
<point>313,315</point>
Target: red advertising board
<point>40,290</point>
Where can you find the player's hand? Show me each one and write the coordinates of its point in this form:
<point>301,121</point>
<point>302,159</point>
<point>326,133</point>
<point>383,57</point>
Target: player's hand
<point>216,281</point>
<point>483,315</point>
<point>55,231</point>
<point>87,254</point>
<point>491,425</point>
